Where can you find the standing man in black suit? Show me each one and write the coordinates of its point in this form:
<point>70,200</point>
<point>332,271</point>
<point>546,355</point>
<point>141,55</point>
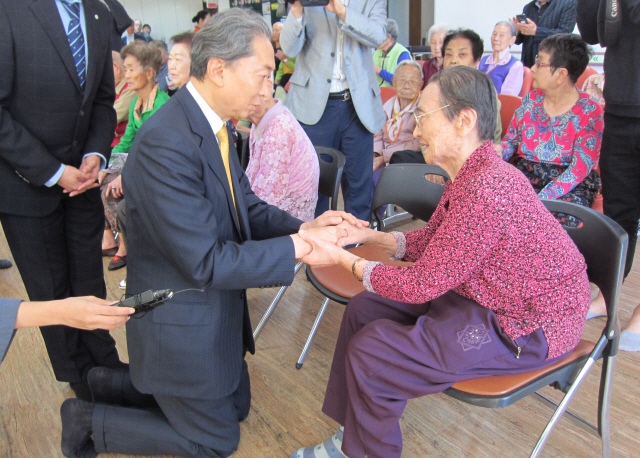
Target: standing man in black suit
<point>194,224</point>
<point>56,126</point>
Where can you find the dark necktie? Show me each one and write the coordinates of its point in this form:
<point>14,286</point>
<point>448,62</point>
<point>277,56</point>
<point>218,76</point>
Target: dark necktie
<point>76,40</point>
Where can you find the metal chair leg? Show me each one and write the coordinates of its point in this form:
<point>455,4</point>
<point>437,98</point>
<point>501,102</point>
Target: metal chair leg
<point>605,407</point>
<point>562,407</point>
<point>312,334</point>
<point>273,305</point>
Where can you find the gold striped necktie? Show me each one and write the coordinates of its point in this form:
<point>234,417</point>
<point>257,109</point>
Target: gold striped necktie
<point>223,141</point>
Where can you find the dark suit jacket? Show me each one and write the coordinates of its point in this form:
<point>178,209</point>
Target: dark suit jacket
<point>45,120</point>
<point>182,232</point>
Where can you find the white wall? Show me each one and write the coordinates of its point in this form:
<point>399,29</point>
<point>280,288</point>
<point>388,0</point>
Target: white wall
<point>480,16</point>
<point>167,17</point>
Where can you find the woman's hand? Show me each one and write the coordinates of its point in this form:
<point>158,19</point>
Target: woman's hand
<point>353,235</point>
<point>378,162</point>
<point>115,188</point>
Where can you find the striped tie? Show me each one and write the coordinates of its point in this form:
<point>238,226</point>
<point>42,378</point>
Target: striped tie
<point>223,140</point>
<point>76,40</point>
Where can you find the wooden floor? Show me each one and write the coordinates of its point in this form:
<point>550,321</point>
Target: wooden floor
<point>285,412</point>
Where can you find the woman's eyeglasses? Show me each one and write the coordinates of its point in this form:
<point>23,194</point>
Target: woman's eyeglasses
<point>428,112</point>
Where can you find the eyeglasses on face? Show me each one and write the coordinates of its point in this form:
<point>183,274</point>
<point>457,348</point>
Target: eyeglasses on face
<point>540,64</point>
<point>428,112</point>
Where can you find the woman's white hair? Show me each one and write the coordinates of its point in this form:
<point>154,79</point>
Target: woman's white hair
<point>437,28</point>
<point>410,62</point>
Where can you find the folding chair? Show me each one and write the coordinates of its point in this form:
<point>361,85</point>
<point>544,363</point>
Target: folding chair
<point>603,243</point>
<point>329,185</point>
<point>400,184</point>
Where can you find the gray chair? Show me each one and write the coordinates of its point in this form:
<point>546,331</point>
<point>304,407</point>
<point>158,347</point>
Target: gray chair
<point>603,243</point>
<point>400,184</point>
<point>329,185</point>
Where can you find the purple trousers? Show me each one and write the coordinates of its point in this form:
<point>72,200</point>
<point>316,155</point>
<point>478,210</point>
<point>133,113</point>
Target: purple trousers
<point>388,352</point>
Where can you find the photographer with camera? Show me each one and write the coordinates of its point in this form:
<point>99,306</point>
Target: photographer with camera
<point>616,26</point>
<point>334,92</point>
<point>541,19</point>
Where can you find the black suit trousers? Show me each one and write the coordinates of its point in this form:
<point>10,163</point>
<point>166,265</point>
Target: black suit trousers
<point>181,426</point>
<point>59,256</point>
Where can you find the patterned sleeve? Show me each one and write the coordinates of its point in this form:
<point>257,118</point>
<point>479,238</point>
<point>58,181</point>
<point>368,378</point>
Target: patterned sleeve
<point>272,181</point>
<point>464,239</point>
<point>401,244</point>
<point>512,140</point>
<point>586,151</point>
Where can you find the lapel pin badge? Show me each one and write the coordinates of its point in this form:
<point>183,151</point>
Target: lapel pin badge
<point>97,17</point>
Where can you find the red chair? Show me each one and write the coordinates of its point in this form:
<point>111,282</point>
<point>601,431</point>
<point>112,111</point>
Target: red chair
<point>509,103</point>
<point>386,93</point>
<point>526,82</point>
<point>586,74</point>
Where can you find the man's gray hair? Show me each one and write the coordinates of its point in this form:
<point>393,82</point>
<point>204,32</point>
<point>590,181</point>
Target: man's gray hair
<point>392,29</point>
<point>466,87</point>
<point>161,45</point>
<point>510,25</point>
<point>437,28</point>
<point>410,63</point>
<point>228,36</point>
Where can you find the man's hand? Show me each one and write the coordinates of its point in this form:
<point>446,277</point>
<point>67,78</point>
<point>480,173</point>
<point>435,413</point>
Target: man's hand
<point>338,8</point>
<point>330,234</point>
<point>529,28</point>
<point>71,179</point>
<point>323,253</point>
<point>91,166</point>
<point>102,174</point>
<point>333,218</point>
<point>378,162</point>
<point>115,188</point>
<point>280,55</point>
<point>297,9</point>
<point>377,69</point>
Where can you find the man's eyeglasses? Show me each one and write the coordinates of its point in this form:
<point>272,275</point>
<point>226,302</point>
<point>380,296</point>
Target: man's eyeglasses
<point>428,112</point>
<point>540,64</point>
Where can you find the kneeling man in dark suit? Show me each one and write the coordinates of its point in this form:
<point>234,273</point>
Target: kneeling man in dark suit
<point>194,223</point>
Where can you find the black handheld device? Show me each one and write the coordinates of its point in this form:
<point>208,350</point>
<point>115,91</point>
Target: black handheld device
<point>147,301</point>
<point>521,18</point>
<point>311,2</point>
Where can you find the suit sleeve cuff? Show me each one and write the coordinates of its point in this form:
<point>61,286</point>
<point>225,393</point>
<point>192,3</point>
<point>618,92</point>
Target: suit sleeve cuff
<point>54,179</point>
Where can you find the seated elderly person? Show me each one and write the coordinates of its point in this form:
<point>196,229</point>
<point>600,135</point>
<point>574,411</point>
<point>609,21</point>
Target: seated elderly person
<point>506,72</point>
<point>283,169</point>
<point>497,286</point>
<point>462,47</point>
<point>435,37</point>
<point>397,133</point>
<point>389,54</point>
<point>554,137</point>
<point>141,66</point>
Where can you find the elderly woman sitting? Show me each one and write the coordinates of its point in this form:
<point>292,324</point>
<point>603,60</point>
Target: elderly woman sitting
<point>397,133</point>
<point>506,72</point>
<point>430,67</point>
<point>283,169</point>
<point>141,66</point>
<point>555,135</point>
<point>497,285</point>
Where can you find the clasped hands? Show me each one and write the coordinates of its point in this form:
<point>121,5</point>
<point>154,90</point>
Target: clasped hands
<point>319,242</point>
<point>76,181</point>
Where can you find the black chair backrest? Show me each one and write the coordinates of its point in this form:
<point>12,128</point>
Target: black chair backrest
<point>405,185</point>
<point>603,243</point>
<point>330,173</point>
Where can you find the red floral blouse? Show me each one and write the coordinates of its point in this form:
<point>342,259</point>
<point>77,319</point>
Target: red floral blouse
<point>492,240</point>
<point>572,139</point>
